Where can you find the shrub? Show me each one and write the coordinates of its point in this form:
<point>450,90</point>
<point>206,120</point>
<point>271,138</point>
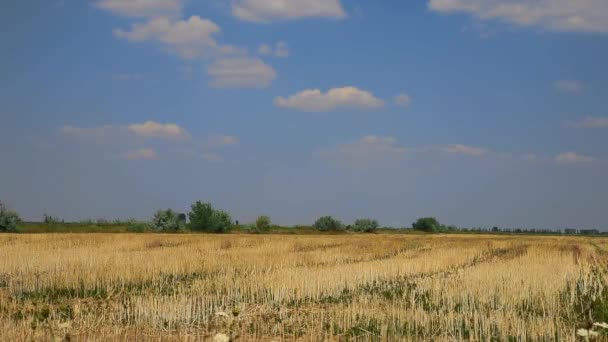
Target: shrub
<point>251,229</point>
<point>365,225</point>
<point>263,223</point>
<point>181,217</point>
<point>204,218</point>
<point>328,223</point>
<point>166,221</point>
<point>49,219</point>
<point>8,219</point>
<point>427,224</point>
<point>139,227</point>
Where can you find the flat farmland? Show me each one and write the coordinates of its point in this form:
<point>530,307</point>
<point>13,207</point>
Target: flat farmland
<point>351,287</point>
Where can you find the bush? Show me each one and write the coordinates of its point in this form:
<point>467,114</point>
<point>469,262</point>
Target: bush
<point>139,227</point>
<point>263,223</point>
<point>327,224</point>
<point>49,219</point>
<point>365,225</point>
<point>204,218</point>
<point>166,221</point>
<point>427,224</point>
<point>8,219</point>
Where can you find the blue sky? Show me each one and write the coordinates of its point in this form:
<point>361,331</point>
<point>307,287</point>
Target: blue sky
<point>481,113</point>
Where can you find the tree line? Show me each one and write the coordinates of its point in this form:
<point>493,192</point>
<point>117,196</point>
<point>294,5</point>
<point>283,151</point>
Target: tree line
<point>203,217</point>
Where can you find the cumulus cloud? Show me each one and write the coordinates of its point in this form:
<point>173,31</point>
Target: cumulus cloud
<point>568,86</point>
<point>241,72</point>
<point>113,134</point>
<point>152,129</point>
<point>141,8</point>
<point>553,15</point>
<point>270,10</point>
<point>281,50</point>
<point>313,100</point>
<point>403,100</point>
<point>592,122</point>
<point>465,150</point>
<point>189,39</point>
<point>140,154</point>
<point>572,158</point>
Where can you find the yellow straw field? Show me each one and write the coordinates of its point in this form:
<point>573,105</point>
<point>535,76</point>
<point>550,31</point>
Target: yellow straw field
<point>148,287</point>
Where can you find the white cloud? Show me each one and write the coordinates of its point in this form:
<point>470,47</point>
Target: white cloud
<point>592,122</point>
<point>403,100</point>
<point>572,158</point>
<point>281,50</point>
<point>152,129</point>
<point>140,154</point>
<point>241,72</point>
<point>141,8</point>
<point>115,134</point>
<point>568,86</point>
<point>464,149</point>
<point>553,15</point>
<point>221,141</point>
<point>264,50</point>
<point>269,10</point>
<point>367,150</point>
<point>189,39</point>
<point>313,100</point>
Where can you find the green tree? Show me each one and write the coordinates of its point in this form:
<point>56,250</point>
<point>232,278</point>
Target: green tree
<point>262,224</point>
<point>365,225</point>
<point>166,221</point>
<point>427,224</point>
<point>204,218</point>
<point>327,224</point>
<point>8,219</point>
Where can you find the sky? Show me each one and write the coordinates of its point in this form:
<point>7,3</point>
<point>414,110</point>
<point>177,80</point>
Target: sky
<point>479,112</point>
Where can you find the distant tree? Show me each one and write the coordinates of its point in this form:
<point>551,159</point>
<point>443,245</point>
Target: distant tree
<point>263,223</point>
<point>8,219</point>
<point>427,224</point>
<point>49,219</point>
<point>495,229</point>
<point>181,217</point>
<point>204,218</point>
<point>328,223</point>
<point>365,225</point>
<point>166,221</point>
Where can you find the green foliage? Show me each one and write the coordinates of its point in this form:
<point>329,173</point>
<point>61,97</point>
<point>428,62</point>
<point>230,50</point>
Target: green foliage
<point>166,221</point>
<point>49,219</point>
<point>8,219</point>
<point>328,224</point>
<point>181,217</point>
<point>203,217</point>
<point>263,223</point>
<point>427,224</point>
<point>365,225</point>
<point>139,227</point>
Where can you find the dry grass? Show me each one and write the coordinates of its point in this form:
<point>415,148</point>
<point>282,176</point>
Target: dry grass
<point>105,287</point>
